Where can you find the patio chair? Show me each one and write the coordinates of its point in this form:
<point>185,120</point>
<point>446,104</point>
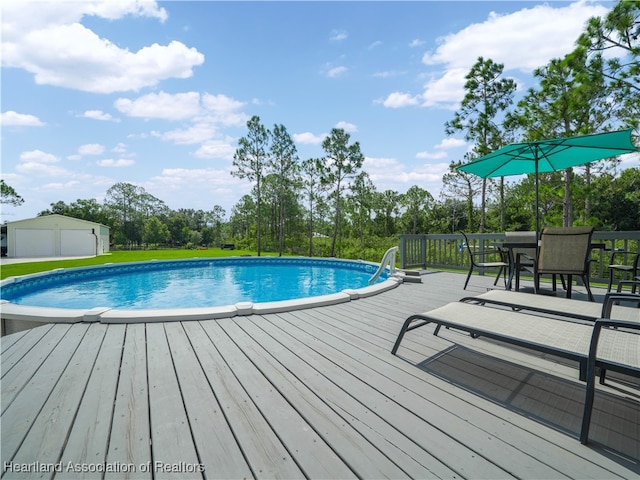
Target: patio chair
<point>521,258</point>
<point>477,261</point>
<point>564,251</point>
<point>631,269</point>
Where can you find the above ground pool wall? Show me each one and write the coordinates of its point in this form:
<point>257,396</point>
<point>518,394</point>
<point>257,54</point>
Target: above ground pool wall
<point>16,318</point>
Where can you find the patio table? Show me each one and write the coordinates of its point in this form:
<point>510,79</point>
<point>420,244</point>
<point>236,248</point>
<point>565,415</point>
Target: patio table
<point>507,249</point>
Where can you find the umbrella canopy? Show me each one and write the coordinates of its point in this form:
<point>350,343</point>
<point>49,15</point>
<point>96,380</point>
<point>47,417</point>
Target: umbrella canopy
<point>542,156</point>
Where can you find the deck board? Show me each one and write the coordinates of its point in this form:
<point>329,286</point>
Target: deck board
<point>22,413</point>
<point>211,432</point>
<point>265,453</point>
<point>345,442</point>
<point>48,434</point>
<point>89,436</point>
<point>312,393</point>
<point>129,443</point>
<point>28,338</point>
<point>314,457</point>
<point>357,420</point>
<point>171,438</point>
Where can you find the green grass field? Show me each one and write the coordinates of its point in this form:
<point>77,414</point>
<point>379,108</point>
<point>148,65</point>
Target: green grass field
<point>120,256</point>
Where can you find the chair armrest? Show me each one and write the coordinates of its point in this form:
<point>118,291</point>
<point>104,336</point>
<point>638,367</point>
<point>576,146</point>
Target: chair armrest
<point>614,297</point>
<point>620,251</point>
<point>488,251</point>
<point>531,262</point>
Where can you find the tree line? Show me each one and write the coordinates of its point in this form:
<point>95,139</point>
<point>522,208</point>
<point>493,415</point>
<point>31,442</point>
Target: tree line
<point>329,206</point>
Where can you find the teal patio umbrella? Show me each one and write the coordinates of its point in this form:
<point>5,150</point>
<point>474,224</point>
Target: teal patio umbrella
<point>541,156</point>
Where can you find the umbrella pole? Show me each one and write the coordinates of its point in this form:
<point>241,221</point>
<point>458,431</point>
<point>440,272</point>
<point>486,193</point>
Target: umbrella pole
<point>537,199</point>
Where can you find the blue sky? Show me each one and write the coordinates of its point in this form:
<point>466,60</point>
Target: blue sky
<point>158,93</point>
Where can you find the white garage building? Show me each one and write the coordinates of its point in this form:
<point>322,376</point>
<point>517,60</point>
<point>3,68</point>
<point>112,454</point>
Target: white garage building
<point>56,236</point>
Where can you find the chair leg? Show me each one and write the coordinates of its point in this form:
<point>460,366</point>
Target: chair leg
<point>502,271</point>
<point>568,285</point>
<point>468,277</point>
<point>585,279</point>
<point>610,280</point>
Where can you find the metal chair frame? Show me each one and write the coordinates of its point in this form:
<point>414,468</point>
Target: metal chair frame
<point>480,265</point>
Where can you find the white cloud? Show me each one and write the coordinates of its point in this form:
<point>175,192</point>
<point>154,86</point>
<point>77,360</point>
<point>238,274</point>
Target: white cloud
<point>213,148</point>
<point>446,91</point>
<point>167,106</point>
<point>431,156</point>
<point>336,71</point>
<point>37,169</point>
<point>119,148</point>
<point>121,162</point>
<point>347,127</point>
<point>221,103</point>
<point>224,110</point>
<point>308,138</point>
<point>522,41</point>
<point>375,44</point>
<point>38,156</point>
<point>447,143</point>
<point>450,142</point>
<point>197,133</point>
<point>198,188</point>
<point>390,174</point>
<point>338,35</point>
<point>504,38</point>
<point>99,115</point>
<point>400,99</point>
<point>49,41</point>
<point>61,186</point>
<point>91,149</point>
<point>416,42</point>
<point>15,119</point>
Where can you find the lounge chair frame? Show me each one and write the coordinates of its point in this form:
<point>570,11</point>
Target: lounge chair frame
<point>573,340</point>
<point>562,307</point>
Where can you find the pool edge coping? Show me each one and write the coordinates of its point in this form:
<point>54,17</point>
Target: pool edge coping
<point>26,313</point>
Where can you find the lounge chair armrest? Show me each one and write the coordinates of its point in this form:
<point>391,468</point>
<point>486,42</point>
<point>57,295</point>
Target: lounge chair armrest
<point>614,297</point>
<point>606,322</point>
<point>631,283</point>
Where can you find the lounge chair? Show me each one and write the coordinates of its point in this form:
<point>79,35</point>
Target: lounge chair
<point>563,307</point>
<point>591,345</point>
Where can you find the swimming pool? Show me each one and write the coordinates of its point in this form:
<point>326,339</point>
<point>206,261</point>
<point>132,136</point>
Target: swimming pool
<point>189,289</point>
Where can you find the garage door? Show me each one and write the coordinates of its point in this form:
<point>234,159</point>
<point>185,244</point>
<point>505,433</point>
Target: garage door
<point>34,242</point>
<point>76,243</point>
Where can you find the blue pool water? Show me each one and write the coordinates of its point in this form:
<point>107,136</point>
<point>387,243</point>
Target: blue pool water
<point>190,283</point>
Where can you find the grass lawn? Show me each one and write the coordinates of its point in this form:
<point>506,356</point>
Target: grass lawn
<point>119,256</point>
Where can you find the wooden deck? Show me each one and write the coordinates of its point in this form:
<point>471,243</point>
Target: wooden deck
<point>309,394</point>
